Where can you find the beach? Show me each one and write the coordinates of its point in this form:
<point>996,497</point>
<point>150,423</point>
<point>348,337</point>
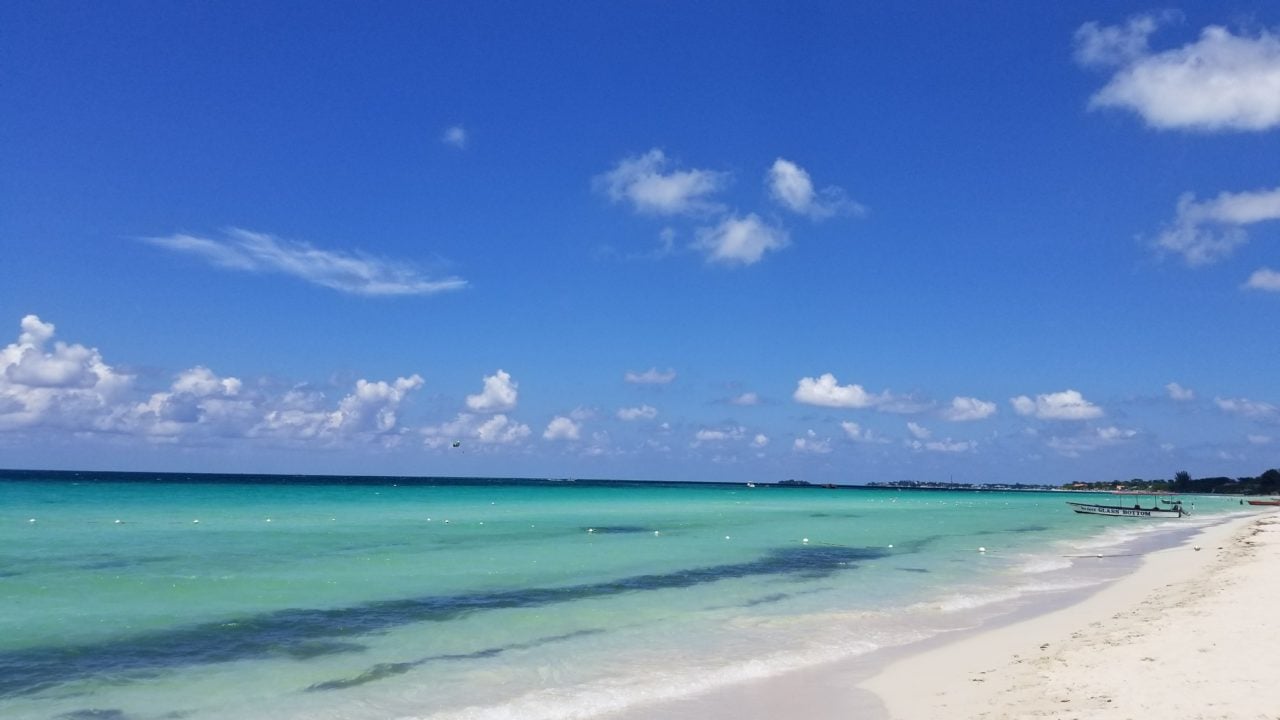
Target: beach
<point>1190,634</point>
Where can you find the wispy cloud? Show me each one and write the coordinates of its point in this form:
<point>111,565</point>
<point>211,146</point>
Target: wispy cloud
<point>353,273</point>
<point>455,136</point>
<point>652,376</point>
<point>646,182</point>
<point>790,186</point>
<point>1207,231</point>
<point>964,409</point>
<point>1220,82</point>
<point>1179,393</point>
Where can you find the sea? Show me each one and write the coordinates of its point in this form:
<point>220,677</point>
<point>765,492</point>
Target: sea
<point>127,596</point>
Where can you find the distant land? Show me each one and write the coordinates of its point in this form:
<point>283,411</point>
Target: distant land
<point>1267,483</point>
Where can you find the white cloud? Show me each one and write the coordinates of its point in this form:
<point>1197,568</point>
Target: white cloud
<point>714,435</point>
<point>790,186</point>
<point>346,272</point>
<point>1206,232</point>
<point>746,399</point>
<point>964,409</point>
<point>499,394</point>
<point>562,428</point>
<point>499,430</point>
<point>811,443</point>
<point>644,182</point>
<point>948,445</point>
<point>827,392</point>
<point>857,433</point>
<point>1065,405</point>
<point>1264,279</point>
<point>919,432</point>
<point>760,440</point>
<point>370,409</point>
<point>1098,45</point>
<point>740,240</point>
<point>1089,441</point>
<point>1220,82</point>
<point>1244,407</point>
<point>1177,392</point>
<point>652,376</point>
<point>1259,439</point>
<point>67,385</point>
<point>455,136</point>
<point>644,412</point>
<point>200,381</point>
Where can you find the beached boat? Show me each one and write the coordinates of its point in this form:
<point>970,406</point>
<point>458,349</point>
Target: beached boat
<point>1272,501</point>
<point>1136,510</point>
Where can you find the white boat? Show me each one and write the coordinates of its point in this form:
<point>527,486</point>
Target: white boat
<point>1174,507</point>
<point>1126,511</point>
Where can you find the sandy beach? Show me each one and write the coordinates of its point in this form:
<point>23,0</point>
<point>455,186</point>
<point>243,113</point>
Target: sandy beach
<point>1190,634</point>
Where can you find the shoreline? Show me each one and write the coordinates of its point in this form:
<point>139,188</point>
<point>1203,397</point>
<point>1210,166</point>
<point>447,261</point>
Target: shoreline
<point>1009,667</point>
<point>1184,635</point>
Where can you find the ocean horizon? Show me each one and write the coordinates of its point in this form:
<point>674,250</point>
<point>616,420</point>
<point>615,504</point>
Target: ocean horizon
<point>166,595</point>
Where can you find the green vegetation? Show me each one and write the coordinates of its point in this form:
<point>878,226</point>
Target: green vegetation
<point>1268,483</point>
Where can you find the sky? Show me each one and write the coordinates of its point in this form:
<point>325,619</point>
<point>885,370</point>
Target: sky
<point>731,241</point>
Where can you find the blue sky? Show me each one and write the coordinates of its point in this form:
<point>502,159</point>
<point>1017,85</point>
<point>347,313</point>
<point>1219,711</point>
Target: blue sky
<point>723,241</point>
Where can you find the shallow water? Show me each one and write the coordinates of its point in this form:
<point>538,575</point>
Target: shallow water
<point>318,598</point>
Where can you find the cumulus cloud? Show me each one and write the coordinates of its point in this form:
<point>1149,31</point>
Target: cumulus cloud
<point>1220,82</point>
<point>1065,405</point>
<point>649,186</point>
<point>1177,392</point>
<point>499,394</point>
<point>492,430</point>
<point>919,432</point>
<point>1264,279</point>
<point>740,240</point>
<point>357,274</point>
<point>746,399</point>
<point>66,385</point>
<point>811,444</point>
<point>1253,409</point>
<point>760,440</point>
<point>562,428</point>
<point>1205,232</point>
<point>963,409</point>
<point>455,136</point>
<point>826,391</point>
<point>790,186</point>
<point>370,409</point>
<point>644,412</point>
<point>652,376</point>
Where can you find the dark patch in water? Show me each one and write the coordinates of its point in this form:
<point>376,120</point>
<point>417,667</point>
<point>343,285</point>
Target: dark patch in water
<point>777,597</point>
<point>834,515</point>
<point>308,650</point>
<point>386,670</point>
<point>29,670</point>
<point>1030,528</point>
<point>617,529</point>
<point>93,714</point>
<point>914,570</point>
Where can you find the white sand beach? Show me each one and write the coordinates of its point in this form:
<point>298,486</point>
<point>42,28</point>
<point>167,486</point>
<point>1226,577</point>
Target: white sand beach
<point>1190,634</point>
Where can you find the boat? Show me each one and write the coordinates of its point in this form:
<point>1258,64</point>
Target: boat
<point>1272,501</point>
<point>1137,510</point>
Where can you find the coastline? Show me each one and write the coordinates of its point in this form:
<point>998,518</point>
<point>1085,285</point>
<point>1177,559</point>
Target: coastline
<point>1184,635</point>
<point>1177,636</point>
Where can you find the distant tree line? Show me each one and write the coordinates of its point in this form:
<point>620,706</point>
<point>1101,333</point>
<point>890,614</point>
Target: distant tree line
<point>1268,483</point>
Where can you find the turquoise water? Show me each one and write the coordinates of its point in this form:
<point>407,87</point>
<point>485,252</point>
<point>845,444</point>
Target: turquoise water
<point>497,600</point>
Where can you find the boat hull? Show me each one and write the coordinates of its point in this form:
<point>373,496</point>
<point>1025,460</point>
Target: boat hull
<point>1119,511</point>
<point>1263,502</point>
